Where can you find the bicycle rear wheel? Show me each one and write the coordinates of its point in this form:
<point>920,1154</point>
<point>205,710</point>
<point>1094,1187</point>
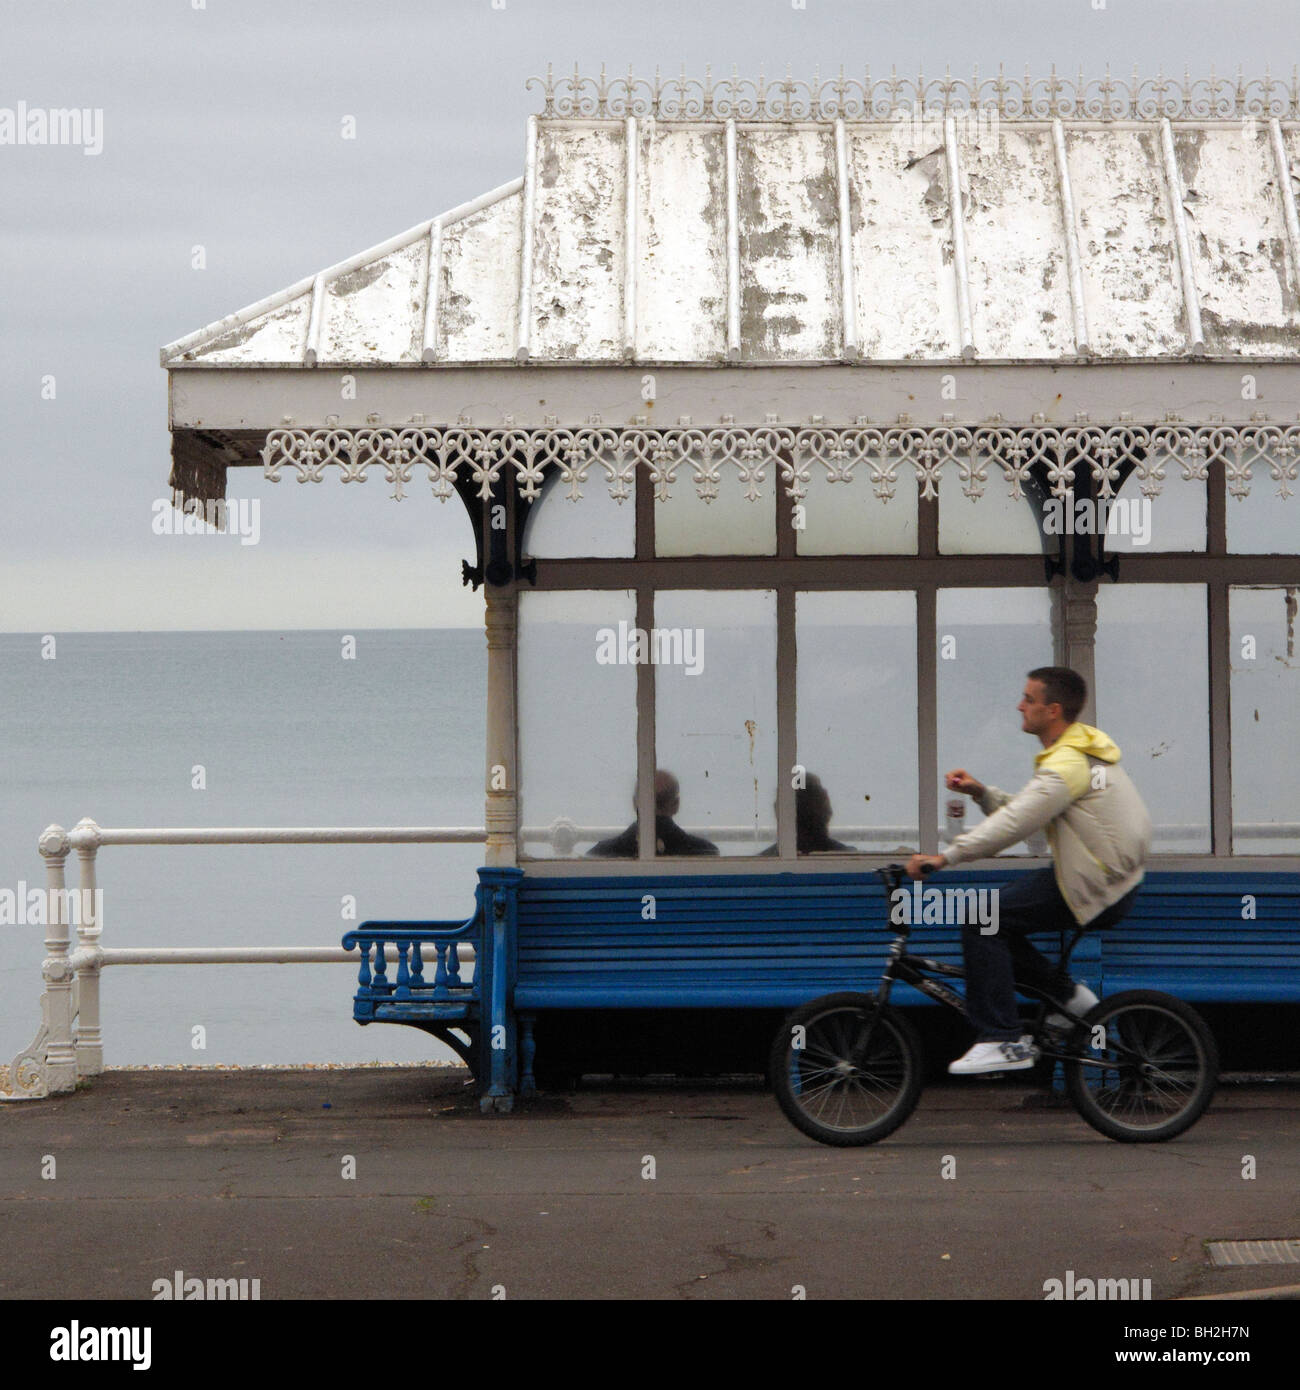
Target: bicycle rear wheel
<point>831,1086</point>
<point>1152,1067</point>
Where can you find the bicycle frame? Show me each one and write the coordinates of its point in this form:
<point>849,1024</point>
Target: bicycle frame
<point>918,971</point>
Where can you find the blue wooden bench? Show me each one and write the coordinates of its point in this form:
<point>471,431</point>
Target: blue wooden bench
<point>1187,934</point>
<point>721,941</point>
<point>771,941</point>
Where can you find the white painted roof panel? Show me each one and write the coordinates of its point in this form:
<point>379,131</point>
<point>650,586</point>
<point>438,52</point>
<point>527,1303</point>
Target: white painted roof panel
<point>789,239</point>
<point>902,248</point>
<point>578,241</point>
<point>478,285</point>
<point>277,335</point>
<point>373,314</point>
<point>681,276</point>
<point>1020,291</point>
<point>1238,240</point>
<point>1130,263</point>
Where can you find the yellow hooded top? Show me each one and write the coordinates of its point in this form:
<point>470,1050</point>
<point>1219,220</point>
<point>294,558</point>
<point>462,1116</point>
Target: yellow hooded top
<point>1097,825</point>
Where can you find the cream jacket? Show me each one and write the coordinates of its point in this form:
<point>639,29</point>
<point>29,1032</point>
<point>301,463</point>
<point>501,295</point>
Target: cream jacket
<point>1096,823</point>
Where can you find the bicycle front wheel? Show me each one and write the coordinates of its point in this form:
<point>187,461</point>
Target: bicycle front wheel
<point>846,1070</point>
<point>1150,1067</point>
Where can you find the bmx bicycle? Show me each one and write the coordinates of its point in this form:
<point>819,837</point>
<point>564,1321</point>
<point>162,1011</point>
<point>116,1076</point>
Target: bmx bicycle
<point>1140,1066</point>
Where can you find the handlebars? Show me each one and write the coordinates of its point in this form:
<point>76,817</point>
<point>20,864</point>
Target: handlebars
<point>892,875</point>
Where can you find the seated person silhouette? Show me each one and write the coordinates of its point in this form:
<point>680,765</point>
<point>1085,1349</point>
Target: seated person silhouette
<point>812,816</point>
<point>670,838</point>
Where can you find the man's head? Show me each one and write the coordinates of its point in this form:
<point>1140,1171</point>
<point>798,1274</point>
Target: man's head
<point>1052,700</point>
<point>668,794</point>
<point>812,807</point>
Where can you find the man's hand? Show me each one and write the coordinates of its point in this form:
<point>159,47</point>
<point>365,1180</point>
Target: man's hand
<point>919,862</point>
<point>959,780</point>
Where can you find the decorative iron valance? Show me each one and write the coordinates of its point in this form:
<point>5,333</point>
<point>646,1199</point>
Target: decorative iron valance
<point>705,455</point>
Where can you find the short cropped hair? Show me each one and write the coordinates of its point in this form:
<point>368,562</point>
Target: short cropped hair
<point>1064,687</point>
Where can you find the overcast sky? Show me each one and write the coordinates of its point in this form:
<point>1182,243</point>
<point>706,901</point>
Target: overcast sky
<point>221,128</point>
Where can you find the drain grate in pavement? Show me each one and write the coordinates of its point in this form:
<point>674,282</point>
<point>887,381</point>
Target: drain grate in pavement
<point>1254,1252</point>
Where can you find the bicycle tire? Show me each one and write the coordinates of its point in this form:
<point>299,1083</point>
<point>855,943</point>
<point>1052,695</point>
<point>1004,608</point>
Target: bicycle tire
<point>1160,1080</point>
<point>800,1073</point>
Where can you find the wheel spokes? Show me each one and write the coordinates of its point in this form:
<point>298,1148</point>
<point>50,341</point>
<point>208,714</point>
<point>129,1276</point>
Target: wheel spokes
<point>1150,1067</point>
<point>830,1087</point>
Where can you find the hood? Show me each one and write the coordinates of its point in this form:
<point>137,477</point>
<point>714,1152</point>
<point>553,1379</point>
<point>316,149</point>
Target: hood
<point>1087,740</point>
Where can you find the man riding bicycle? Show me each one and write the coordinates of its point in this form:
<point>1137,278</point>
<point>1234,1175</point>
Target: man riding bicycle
<point>1099,832</point>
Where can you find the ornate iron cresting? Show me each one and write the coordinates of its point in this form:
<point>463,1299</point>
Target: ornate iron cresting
<point>866,98</point>
<point>702,455</point>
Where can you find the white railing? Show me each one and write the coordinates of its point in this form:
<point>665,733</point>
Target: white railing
<point>69,1044</point>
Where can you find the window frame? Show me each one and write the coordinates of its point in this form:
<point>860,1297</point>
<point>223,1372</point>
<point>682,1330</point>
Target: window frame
<point>924,573</point>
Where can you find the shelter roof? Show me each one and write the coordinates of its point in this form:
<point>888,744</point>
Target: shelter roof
<point>890,221</point>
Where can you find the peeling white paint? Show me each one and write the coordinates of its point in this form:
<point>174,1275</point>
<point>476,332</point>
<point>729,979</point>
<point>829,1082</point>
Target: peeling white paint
<point>579,241</point>
<point>1132,291</point>
<point>1237,234</point>
<point>1015,245</point>
<point>682,285</point>
<point>480,284</point>
<point>277,336</point>
<point>906,292</point>
<point>793,289</point>
<point>376,313</point>
<point>789,245</point>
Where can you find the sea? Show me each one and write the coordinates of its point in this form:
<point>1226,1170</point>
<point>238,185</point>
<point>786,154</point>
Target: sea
<point>288,732</point>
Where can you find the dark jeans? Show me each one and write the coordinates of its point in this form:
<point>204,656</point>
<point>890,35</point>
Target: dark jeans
<point>1033,903</point>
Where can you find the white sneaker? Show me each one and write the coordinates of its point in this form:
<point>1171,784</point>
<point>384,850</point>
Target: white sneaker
<point>996,1056</point>
<point>1078,1004</point>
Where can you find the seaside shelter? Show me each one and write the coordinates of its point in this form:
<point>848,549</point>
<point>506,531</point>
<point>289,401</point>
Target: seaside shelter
<point>794,422</point>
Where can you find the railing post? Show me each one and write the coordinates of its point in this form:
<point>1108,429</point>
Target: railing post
<point>49,1063</point>
<point>60,1065</point>
<point>85,839</point>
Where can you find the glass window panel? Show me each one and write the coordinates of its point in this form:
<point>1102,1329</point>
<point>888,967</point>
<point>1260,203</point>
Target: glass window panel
<point>849,519</point>
<point>577,720</point>
<point>1153,699</point>
<point>716,714</point>
<point>560,529</point>
<point>988,639</point>
<point>1175,520</point>
<point>1265,694</point>
<point>856,677</point>
<point>1263,523</point>
<point>994,524</point>
<point>728,525</point>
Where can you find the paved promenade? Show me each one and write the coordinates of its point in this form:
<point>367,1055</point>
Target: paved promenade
<point>618,1192</point>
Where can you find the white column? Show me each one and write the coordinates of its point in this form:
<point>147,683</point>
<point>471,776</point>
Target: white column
<point>1074,636</point>
<point>501,815</point>
<point>85,840</point>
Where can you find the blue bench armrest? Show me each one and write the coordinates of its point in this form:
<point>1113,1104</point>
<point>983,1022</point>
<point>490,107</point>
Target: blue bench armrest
<point>409,942</point>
